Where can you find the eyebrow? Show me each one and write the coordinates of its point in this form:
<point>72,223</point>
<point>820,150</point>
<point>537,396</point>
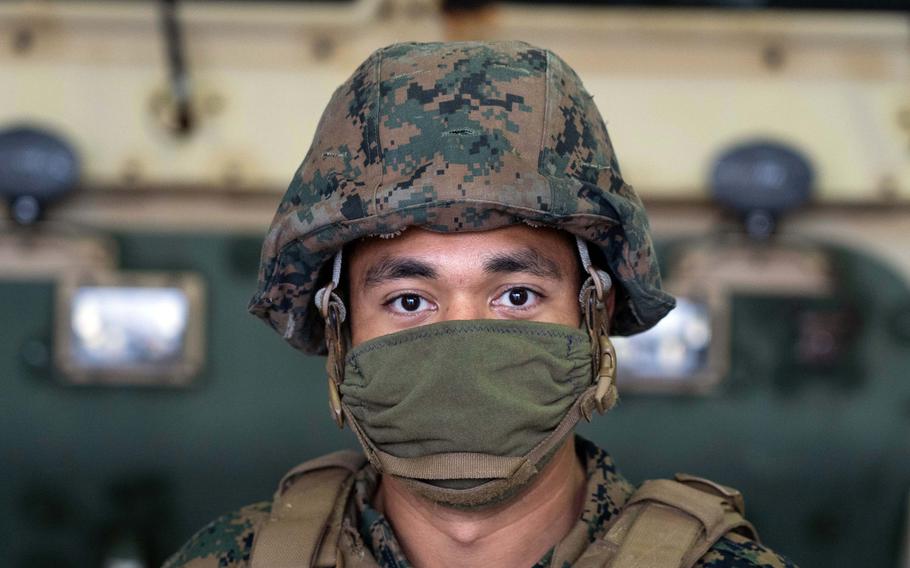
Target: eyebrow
<point>524,260</point>
<point>394,268</point>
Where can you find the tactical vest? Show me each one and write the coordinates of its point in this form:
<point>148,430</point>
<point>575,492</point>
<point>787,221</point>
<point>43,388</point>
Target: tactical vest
<point>664,524</point>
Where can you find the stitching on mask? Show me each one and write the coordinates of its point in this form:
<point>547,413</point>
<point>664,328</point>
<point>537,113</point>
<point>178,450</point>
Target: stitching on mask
<point>353,363</point>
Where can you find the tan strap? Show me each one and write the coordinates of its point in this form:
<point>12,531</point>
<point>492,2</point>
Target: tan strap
<point>660,537</point>
<point>707,509</point>
<point>303,528</point>
<point>346,459</point>
<point>668,524</point>
<point>730,495</point>
<point>459,465</point>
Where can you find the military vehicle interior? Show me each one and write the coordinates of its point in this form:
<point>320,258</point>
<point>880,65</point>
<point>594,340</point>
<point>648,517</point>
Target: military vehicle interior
<point>144,146</point>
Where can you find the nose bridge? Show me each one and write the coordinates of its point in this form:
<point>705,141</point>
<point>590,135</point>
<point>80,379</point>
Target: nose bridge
<point>465,306</point>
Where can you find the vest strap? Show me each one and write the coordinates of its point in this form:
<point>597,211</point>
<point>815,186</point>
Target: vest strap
<point>669,524</point>
<point>303,528</point>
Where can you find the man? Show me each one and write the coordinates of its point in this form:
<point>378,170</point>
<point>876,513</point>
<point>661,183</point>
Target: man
<point>460,242</point>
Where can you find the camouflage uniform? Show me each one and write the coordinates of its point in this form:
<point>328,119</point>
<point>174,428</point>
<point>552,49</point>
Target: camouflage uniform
<point>227,542</point>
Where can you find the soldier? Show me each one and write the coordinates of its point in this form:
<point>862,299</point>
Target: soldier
<point>459,241</point>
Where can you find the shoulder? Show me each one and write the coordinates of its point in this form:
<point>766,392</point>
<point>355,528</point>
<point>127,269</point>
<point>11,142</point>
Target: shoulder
<point>226,542</point>
<point>736,551</point>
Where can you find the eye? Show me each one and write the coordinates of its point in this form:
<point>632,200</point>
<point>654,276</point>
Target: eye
<point>408,304</point>
<point>518,297</point>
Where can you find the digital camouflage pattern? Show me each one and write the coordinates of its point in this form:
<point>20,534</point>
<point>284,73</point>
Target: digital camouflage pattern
<point>455,137</point>
<point>228,542</point>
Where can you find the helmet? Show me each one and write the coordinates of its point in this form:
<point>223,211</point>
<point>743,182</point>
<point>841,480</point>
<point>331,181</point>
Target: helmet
<point>465,136</point>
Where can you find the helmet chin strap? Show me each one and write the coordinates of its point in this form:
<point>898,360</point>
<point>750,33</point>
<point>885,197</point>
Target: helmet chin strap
<point>333,311</point>
<point>327,291</point>
<point>600,278</point>
<point>592,298</point>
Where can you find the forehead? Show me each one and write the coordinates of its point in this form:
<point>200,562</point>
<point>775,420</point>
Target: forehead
<point>465,249</point>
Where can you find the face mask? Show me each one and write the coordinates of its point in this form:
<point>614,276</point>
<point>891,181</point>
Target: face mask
<point>468,412</point>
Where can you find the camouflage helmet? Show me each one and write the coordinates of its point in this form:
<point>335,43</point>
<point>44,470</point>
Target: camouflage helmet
<point>465,136</point>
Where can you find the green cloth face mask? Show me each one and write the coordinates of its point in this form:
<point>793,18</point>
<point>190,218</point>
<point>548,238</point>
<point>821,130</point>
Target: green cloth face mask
<point>467,413</point>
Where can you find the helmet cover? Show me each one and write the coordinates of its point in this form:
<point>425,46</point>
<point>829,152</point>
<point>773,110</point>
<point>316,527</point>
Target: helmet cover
<point>464,136</point>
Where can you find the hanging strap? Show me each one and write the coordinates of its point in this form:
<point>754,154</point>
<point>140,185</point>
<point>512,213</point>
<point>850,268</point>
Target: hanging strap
<point>669,524</point>
<point>307,512</point>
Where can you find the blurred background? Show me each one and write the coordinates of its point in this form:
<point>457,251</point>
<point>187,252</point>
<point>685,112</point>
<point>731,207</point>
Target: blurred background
<point>144,147</point>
